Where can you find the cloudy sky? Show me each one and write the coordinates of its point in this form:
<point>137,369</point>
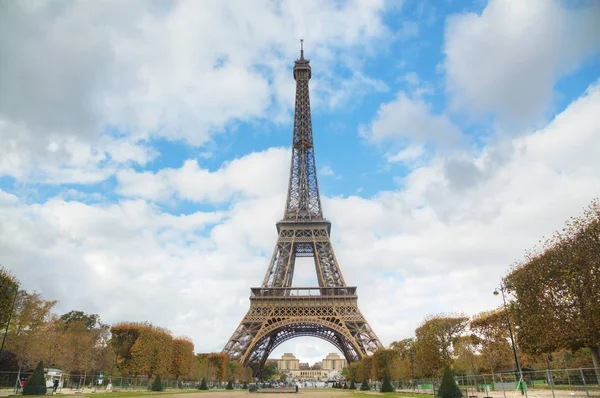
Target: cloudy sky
<point>145,149</point>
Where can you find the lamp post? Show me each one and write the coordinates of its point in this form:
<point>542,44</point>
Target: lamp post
<point>12,308</point>
<point>503,286</point>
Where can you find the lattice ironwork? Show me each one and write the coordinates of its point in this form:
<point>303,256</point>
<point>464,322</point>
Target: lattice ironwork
<point>279,312</point>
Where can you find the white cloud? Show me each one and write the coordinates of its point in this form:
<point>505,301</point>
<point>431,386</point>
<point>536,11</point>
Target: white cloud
<point>408,154</point>
<point>424,245</point>
<point>507,60</point>
<point>411,119</point>
<point>326,171</point>
<point>180,70</point>
<point>256,174</point>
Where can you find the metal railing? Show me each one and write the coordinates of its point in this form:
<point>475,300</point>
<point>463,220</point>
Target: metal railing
<point>551,383</point>
<point>302,291</point>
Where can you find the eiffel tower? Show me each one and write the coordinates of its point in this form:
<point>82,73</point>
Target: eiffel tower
<point>279,312</point>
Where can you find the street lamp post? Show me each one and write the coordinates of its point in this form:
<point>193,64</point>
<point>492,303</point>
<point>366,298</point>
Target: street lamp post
<point>12,308</point>
<point>512,340</point>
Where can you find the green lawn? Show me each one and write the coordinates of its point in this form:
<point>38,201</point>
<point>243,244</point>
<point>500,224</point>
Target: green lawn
<point>142,393</point>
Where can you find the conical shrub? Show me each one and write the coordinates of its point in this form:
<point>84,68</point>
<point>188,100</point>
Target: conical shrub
<point>365,385</point>
<point>352,385</point>
<point>387,385</point>
<point>36,385</point>
<point>448,388</point>
<point>156,384</point>
<point>229,385</point>
<point>203,385</point>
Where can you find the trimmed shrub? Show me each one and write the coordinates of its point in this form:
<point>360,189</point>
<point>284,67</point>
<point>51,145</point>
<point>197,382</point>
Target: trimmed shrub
<point>387,385</point>
<point>229,385</point>
<point>157,384</point>
<point>36,384</point>
<point>203,385</point>
<point>352,385</point>
<point>365,385</point>
<point>448,388</point>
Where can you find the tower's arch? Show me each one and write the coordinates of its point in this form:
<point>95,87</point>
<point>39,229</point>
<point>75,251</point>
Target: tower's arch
<point>283,330</point>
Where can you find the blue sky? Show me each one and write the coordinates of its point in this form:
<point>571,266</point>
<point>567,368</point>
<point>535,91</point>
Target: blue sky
<point>146,150</point>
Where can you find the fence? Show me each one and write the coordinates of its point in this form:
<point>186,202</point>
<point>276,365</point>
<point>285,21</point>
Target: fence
<point>10,383</point>
<point>551,383</point>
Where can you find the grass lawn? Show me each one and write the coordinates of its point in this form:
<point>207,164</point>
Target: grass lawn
<point>142,393</point>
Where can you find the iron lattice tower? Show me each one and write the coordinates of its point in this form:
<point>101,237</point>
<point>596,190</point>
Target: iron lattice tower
<point>279,312</point>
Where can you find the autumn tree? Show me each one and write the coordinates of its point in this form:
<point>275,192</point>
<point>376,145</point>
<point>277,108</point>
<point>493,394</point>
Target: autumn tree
<point>26,338</point>
<point>89,320</point>
<point>9,286</point>
<point>355,372</point>
<point>367,367</point>
<point>557,288</point>
<point>142,348</point>
<point>182,356</point>
<point>219,362</point>
<point>466,358</point>
<point>435,337</point>
<point>491,329</point>
<point>405,349</point>
<point>386,362</point>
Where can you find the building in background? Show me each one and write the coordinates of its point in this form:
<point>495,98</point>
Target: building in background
<point>333,362</point>
<point>327,369</point>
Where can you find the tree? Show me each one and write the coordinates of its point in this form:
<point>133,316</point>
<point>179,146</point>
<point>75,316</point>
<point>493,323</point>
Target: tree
<point>365,385</point>
<point>89,320</point>
<point>268,372</point>
<point>77,343</point>
<point>435,337</point>
<point>219,362</point>
<point>491,329</point>
<point>557,287</point>
<point>386,362</point>
<point>182,356</point>
<point>355,372</point>
<point>448,387</point>
<point>9,285</point>
<point>26,337</point>
<point>367,367</point>
<point>142,348</point>
<point>466,358</point>
<point>36,384</point>
<point>157,384</point>
<point>203,385</point>
<point>386,386</point>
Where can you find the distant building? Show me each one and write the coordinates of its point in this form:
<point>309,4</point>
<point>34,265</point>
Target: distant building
<point>288,362</point>
<point>333,362</point>
<point>329,367</point>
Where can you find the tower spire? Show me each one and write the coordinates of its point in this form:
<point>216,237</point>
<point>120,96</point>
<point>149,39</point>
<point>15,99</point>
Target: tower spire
<point>303,201</point>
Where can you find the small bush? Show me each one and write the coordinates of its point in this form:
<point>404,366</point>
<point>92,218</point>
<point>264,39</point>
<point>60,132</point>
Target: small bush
<point>387,385</point>
<point>203,385</point>
<point>156,384</point>
<point>229,385</point>
<point>365,385</point>
<point>36,385</point>
<point>448,388</point>
<point>352,385</point>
